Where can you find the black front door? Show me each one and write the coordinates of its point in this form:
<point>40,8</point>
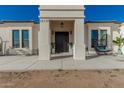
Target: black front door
<point>61,42</point>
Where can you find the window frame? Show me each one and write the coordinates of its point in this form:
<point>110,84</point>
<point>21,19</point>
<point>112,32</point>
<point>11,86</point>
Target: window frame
<point>22,31</point>
<point>13,45</point>
<point>92,46</point>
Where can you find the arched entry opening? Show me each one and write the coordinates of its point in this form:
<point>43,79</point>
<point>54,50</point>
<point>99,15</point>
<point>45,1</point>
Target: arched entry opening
<point>62,38</point>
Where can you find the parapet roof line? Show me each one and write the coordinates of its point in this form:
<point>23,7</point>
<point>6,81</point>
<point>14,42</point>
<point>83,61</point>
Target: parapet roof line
<point>106,21</point>
<point>21,21</point>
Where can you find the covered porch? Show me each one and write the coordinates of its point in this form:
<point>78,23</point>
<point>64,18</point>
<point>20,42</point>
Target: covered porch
<point>61,31</point>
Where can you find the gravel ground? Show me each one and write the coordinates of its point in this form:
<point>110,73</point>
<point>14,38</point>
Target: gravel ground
<point>63,79</point>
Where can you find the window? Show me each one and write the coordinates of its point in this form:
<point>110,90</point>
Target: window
<point>16,40</point>
<point>94,38</point>
<point>25,39</point>
<point>98,38</point>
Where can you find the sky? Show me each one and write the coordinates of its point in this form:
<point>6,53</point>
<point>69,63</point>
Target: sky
<point>19,12</point>
<point>92,12</point>
<point>104,12</point>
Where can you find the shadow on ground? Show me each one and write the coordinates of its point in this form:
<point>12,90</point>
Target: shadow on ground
<point>91,57</point>
<point>61,57</point>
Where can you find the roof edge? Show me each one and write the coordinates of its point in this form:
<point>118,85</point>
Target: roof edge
<point>104,21</point>
<point>20,21</point>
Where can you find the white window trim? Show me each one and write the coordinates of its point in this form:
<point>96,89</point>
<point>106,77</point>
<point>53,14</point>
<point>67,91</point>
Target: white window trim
<point>109,45</point>
<point>20,38</point>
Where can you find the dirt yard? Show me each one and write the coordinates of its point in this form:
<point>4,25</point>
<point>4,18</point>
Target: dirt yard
<point>64,79</point>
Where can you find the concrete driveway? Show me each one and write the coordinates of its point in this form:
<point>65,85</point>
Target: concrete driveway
<point>20,63</point>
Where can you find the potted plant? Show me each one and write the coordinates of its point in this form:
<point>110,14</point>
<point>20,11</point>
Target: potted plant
<point>71,44</point>
<point>52,47</point>
<point>119,41</point>
<point>70,47</point>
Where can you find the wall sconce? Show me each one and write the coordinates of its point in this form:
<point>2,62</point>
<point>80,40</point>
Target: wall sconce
<point>62,24</point>
<point>52,32</point>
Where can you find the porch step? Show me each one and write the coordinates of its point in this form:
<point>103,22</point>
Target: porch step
<point>19,52</point>
<point>62,54</point>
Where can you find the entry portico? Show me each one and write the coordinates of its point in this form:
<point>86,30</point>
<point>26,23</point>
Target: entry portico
<point>68,22</point>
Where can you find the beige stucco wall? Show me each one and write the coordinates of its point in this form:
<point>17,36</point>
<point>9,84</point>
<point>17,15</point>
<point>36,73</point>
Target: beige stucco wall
<point>6,32</point>
<point>61,7</point>
<point>61,11</point>
<point>86,34</point>
<point>36,29</point>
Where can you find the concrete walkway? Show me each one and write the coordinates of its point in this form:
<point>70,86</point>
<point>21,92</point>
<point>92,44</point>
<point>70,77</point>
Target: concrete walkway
<point>19,63</point>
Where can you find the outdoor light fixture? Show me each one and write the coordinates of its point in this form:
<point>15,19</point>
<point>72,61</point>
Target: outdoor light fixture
<point>70,32</point>
<point>52,32</point>
<point>62,24</point>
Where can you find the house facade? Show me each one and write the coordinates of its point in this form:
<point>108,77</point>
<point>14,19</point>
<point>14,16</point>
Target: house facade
<point>61,30</point>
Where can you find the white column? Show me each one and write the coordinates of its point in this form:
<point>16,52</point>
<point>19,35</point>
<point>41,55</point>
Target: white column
<point>3,47</point>
<point>30,40</point>
<point>44,40</point>
<point>20,37</point>
<point>79,45</point>
<point>89,39</point>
